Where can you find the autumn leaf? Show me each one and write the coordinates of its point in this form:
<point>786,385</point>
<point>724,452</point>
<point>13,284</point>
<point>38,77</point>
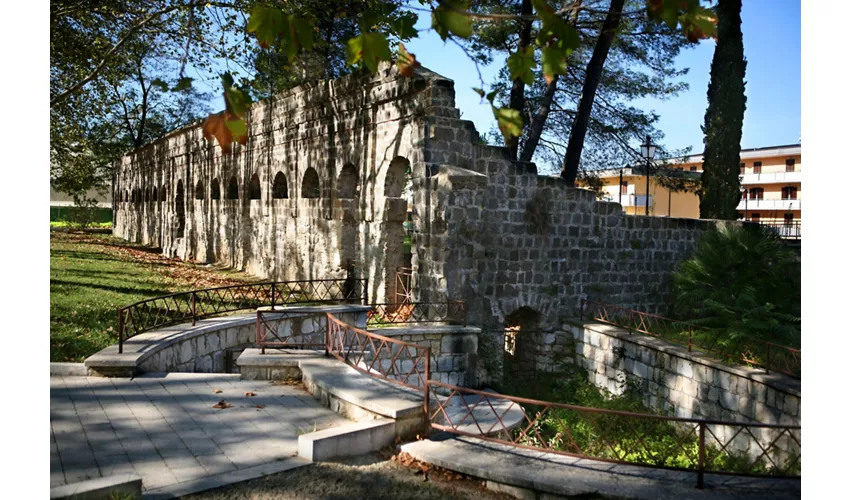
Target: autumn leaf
<point>521,63</point>
<point>222,405</point>
<point>554,63</point>
<point>510,122</point>
<point>266,23</point>
<point>250,394</point>
<point>216,125</point>
<point>449,19</point>
<point>259,407</point>
<point>218,391</point>
<point>368,49</point>
<point>407,62</point>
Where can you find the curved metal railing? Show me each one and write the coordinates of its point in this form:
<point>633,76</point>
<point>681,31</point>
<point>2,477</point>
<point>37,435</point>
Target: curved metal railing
<point>193,305</point>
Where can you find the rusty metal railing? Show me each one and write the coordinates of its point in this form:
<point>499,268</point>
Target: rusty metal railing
<point>403,363</point>
<point>403,292</point>
<point>619,437</point>
<point>451,312</point>
<point>193,305</point>
<point>766,355</point>
<point>276,328</point>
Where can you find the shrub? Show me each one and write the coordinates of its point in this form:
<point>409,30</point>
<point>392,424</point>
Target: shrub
<point>742,283</point>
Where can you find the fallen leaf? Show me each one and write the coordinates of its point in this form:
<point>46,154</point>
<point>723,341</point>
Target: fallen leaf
<point>250,394</point>
<point>260,407</point>
<point>222,405</point>
<point>218,391</point>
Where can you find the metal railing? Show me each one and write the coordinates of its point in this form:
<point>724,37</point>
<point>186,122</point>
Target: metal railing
<point>450,312</point>
<point>788,230</point>
<point>621,437</point>
<point>403,290</point>
<point>275,328</point>
<point>766,355</point>
<point>403,363</point>
<point>193,305</point>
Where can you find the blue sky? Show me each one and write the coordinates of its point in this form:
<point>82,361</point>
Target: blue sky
<point>771,45</point>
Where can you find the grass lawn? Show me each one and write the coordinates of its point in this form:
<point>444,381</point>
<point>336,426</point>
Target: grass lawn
<point>92,275</point>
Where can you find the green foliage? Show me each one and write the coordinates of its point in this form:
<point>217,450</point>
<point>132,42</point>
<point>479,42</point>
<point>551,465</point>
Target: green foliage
<point>521,65</point>
<point>368,50</point>
<point>449,19</point>
<point>742,283</point>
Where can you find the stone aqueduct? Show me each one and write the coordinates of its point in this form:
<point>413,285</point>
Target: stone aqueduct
<point>324,182</point>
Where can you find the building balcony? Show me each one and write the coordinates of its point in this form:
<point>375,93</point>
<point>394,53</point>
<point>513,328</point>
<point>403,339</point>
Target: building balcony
<point>772,178</point>
<point>751,205</point>
<point>786,230</point>
<point>634,200</point>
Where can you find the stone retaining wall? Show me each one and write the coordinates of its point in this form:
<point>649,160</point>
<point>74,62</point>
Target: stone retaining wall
<point>454,350</point>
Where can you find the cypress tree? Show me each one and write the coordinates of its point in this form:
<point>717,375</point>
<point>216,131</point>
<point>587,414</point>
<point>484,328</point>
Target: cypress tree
<point>724,119</point>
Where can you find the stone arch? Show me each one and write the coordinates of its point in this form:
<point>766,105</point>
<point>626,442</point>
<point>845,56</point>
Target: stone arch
<point>162,192</point>
<point>147,195</point>
<point>254,191</point>
<point>310,185</point>
<point>180,208</point>
<point>199,190</point>
<point>154,196</point>
<point>279,187</point>
<point>521,328</point>
<point>348,182</point>
<point>233,189</point>
<point>215,189</point>
<point>396,180</point>
<point>125,199</point>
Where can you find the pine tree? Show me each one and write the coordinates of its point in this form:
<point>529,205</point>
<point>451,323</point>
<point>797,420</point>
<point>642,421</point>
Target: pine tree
<point>724,119</point>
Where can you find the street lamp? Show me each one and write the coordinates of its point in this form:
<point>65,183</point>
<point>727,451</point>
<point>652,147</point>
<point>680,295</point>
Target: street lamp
<point>744,196</point>
<point>647,152</point>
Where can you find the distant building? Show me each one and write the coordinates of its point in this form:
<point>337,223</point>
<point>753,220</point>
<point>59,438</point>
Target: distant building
<point>771,178</point>
<point>61,205</point>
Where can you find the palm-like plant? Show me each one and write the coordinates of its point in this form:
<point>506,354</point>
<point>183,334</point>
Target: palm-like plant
<point>743,282</point>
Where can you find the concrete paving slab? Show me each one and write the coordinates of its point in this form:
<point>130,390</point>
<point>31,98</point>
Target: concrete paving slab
<point>159,426</point>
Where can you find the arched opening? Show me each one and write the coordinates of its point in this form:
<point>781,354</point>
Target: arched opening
<point>215,190</point>
<point>125,199</point>
<point>520,328</point>
<point>154,196</point>
<point>180,208</point>
<point>199,190</point>
<point>310,187</point>
<point>162,192</point>
<point>348,182</point>
<point>397,179</point>
<point>254,188</point>
<point>279,188</point>
<point>147,195</point>
<point>232,189</point>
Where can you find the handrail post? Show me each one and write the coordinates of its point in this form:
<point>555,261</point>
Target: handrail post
<point>327,334</point>
<point>273,293</point>
<point>194,310</point>
<point>701,464</point>
<point>260,339</point>
<point>427,395</point>
<point>120,331</point>
<point>365,291</point>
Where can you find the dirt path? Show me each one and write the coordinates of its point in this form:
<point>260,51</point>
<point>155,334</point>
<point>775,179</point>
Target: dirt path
<point>375,476</point>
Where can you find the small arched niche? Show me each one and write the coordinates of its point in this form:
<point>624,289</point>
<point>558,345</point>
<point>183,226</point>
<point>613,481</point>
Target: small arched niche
<point>397,178</point>
<point>215,189</point>
<point>310,186</point>
<point>254,188</point>
<point>199,190</point>
<point>348,182</point>
<point>279,187</point>
<point>232,189</point>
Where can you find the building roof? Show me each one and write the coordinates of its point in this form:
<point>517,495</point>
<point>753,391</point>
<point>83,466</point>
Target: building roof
<point>746,154</point>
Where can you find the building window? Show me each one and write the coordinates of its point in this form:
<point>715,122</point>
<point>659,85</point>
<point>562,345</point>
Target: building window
<point>757,194</point>
<point>789,165</point>
<point>624,188</point>
<point>742,166</point>
<point>789,219</point>
<point>789,193</point>
<point>755,217</point>
<point>739,215</point>
<point>757,167</point>
<point>693,168</point>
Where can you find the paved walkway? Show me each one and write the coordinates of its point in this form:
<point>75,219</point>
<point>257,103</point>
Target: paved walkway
<point>163,428</point>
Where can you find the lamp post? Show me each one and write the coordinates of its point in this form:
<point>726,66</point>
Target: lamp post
<point>620,187</point>
<point>744,195</point>
<point>647,152</point>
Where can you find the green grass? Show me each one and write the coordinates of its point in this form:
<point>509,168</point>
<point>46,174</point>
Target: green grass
<point>93,275</point>
<point>62,223</point>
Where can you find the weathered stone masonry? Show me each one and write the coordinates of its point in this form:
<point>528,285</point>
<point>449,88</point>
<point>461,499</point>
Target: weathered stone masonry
<point>487,230</point>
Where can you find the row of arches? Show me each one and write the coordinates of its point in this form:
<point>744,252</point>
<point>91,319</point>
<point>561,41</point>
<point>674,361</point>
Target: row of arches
<point>348,184</point>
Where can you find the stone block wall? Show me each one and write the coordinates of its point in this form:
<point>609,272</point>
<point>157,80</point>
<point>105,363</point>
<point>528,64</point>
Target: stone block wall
<point>207,350</point>
<point>454,351</point>
<point>687,384</point>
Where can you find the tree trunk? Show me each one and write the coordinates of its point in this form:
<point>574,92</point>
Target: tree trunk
<point>536,128</point>
<point>724,119</point>
<point>593,75</point>
<point>518,88</point>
